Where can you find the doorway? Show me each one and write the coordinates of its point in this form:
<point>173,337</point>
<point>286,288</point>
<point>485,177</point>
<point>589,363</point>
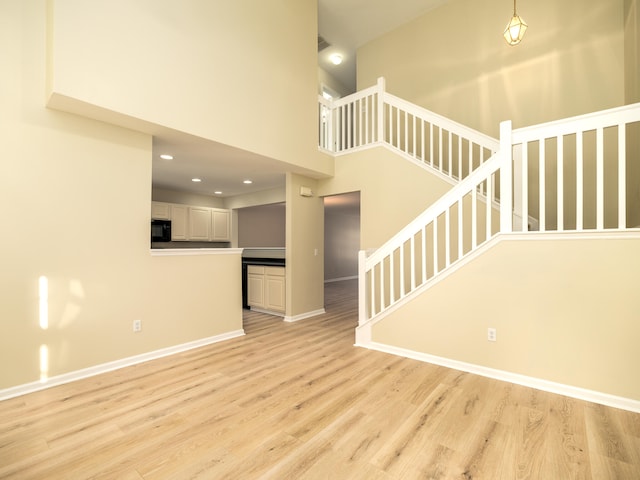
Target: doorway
<point>341,236</point>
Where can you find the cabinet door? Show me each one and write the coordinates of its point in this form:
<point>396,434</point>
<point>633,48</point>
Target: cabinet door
<point>221,225</point>
<point>179,222</point>
<point>275,289</point>
<point>255,286</point>
<point>199,223</point>
<point>160,211</point>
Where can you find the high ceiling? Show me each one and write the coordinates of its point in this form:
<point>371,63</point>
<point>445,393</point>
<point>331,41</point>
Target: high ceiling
<point>346,25</point>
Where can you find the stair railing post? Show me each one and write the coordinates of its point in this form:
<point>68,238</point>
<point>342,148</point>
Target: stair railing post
<point>381,91</point>
<point>506,178</point>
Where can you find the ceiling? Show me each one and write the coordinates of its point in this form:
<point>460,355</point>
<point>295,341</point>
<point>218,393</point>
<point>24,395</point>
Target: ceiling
<point>346,25</point>
<point>220,168</point>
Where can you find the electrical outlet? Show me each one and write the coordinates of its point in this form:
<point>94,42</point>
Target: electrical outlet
<point>492,335</point>
<point>137,325</point>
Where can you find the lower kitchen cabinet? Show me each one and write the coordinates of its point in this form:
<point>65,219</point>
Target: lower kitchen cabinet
<point>274,294</point>
<point>255,286</point>
<point>266,288</point>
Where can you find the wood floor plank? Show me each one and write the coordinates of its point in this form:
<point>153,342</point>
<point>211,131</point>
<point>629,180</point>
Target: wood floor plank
<point>297,400</point>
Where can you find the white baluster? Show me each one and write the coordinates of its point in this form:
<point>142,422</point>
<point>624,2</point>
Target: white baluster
<point>600,178</point>
<point>560,182</point>
<point>579,182</point>
<point>542,186</point>
<point>622,176</point>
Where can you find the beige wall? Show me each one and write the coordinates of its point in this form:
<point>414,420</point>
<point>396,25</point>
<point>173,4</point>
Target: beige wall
<point>393,191</point>
<point>305,235</point>
<point>241,73</point>
<point>77,197</point>
<point>262,226</point>
<point>454,61</point>
<point>632,50</point>
<point>579,329</point>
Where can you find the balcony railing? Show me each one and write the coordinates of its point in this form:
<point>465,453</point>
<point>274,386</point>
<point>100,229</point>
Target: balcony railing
<point>373,116</point>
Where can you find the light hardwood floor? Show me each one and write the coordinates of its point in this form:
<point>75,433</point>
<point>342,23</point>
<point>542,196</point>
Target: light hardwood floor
<point>298,401</point>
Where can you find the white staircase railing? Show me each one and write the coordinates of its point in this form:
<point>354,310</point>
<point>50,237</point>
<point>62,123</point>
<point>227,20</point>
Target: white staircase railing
<point>601,152</point>
<point>454,226</point>
<point>373,116</point>
<point>594,158</point>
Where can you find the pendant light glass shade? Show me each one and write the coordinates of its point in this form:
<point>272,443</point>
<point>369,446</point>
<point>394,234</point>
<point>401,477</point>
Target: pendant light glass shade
<point>515,28</point>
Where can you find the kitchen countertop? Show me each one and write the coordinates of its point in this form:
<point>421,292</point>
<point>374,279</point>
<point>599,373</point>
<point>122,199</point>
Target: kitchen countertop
<point>169,245</point>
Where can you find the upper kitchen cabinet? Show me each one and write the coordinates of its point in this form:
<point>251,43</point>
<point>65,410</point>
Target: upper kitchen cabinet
<point>179,222</point>
<point>221,225</point>
<point>160,211</point>
<point>199,224</point>
<point>192,223</point>
<point>209,224</point>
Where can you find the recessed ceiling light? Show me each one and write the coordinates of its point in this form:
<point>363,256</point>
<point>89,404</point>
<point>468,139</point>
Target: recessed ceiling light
<point>164,156</point>
<point>335,58</point>
<point>248,182</point>
<point>196,180</point>
<point>218,192</point>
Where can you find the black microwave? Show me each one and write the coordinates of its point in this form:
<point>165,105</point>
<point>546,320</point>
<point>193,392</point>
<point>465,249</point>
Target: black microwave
<point>160,230</point>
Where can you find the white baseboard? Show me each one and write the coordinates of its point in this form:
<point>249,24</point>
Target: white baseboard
<point>537,383</point>
<point>302,316</point>
<point>115,365</point>
<point>268,312</point>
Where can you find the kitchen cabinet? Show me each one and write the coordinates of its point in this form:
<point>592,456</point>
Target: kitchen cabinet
<point>255,286</point>
<point>266,288</point>
<point>199,224</point>
<point>160,211</point>
<point>209,224</point>
<point>220,225</point>
<point>274,295</point>
<point>179,222</point>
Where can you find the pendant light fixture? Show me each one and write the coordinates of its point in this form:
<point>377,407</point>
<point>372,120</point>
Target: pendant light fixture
<point>515,28</point>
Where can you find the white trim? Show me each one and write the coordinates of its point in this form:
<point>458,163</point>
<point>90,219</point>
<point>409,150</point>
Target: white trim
<point>115,365</point>
<point>340,279</point>
<point>302,316</point>
<point>178,252</point>
<point>264,310</point>
<point>623,403</point>
<point>606,234</point>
